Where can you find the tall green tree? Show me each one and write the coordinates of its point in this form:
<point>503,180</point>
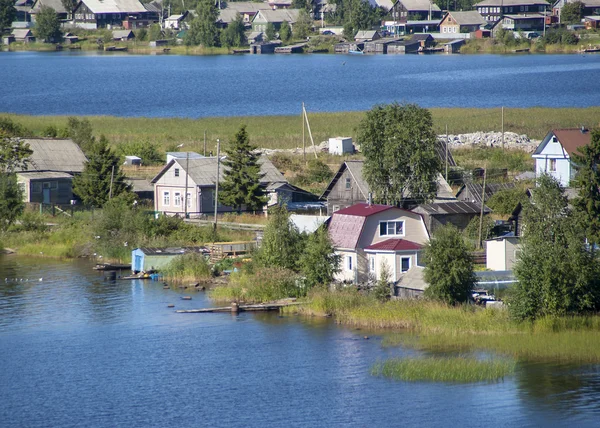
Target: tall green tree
<point>47,25</point>
<point>203,29</point>
<point>571,13</point>
<point>234,34</point>
<point>556,271</point>
<point>14,154</point>
<point>318,262</point>
<point>241,183</point>
<point>11,200</point>
<point>448,267</point>
<point>282,243</point>
<point>270,31</point>
<point>303,25</point>
<point>8,14</point>
<point>399,145</point>
<point>285,32</point>
<point>154,32</point>
<point>587,180</point>
<point>94,186</point>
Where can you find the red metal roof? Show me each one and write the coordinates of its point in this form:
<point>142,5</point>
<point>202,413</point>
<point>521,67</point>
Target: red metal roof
<point>395,244</point>
<point>573,138</point>
<point>363,210</point>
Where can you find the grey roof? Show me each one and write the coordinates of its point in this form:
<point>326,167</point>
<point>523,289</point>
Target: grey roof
<point>365,34</point>
<point>227,16</point>
<point>203,171</point>
<point>114,6</point>
<point>119,34</point>
<point>36,175</point>
<point>386,4</point>
<point>140,185</point>
<point>183,155</point>
<point>21,34</point>
<point>419,5</point>
<point>279,15</point>
<point>154,6</point>
<point>471,17</point>
<point>308,223</point>
<point>474,190</point>
<point>247,6</point>
<point>445,208</point>
<point>54,4</point>
<point>511,3</point>
<point>55,155</point>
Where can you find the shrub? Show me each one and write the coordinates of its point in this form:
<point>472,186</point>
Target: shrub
<point>192,266</point>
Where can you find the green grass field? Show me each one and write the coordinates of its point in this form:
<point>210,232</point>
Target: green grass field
<point>285,132</point>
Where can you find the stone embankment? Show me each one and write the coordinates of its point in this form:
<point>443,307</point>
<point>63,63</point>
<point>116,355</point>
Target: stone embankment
<point>489,139</point>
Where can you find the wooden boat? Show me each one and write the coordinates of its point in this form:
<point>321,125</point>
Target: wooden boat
<point>110,266</point>
<point>356,52</point>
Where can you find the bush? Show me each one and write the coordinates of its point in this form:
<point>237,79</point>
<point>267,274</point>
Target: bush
<point>12,129</point>
<point>190,267</point>
<point>382,290</point>
<point>265,284</point>
<point>505,201</point>
<point>33,222</point>
<point>472,229</point>
<point>149,152</point>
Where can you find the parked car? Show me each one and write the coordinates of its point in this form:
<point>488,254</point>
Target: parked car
<point>328,33</point>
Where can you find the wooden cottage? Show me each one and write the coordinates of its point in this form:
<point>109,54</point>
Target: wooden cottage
<point>461,22</point>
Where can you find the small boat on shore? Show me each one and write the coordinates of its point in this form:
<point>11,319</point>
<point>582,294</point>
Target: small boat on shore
<point>111,266</point>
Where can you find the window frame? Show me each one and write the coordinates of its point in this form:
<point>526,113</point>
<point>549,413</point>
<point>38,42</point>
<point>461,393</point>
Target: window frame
<point>166,198</point>
<point>349,263</point>
<point>177,199</point>
<point>552,166</point>
<point>409,263</point>
<point>176,172</point>
<point>395,228</point>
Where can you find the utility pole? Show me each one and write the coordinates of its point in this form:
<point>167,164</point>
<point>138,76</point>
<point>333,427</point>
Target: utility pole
<point>303,139</point>
<point>502,127</point>
<point>309,133</point>
<point>204,154</point>
<point>187,175</point>
<point>217,183</point>
<point>482,205</point>
<point>112,178</point>
<point>447,140</point>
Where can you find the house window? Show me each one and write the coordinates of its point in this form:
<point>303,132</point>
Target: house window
<point>348,183</point>
<point>335,208</point>
<point>166,199</point>
<point>349,262</point>
<point>372,264</point>
<point>553,165</point>
<point>177,199</point>
<point>36,187</point>
<point>404,264</point>
<point>391,228</point>
<point>189,200</point>
<point>176,172</point>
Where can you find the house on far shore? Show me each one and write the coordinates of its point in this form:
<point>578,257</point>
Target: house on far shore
<point>275,17</point>
<point>367,36</point>
<point>461,22</point>
<point>369,236</point>
<point>553,155</point>
<point>49,176</point>
<point>23,35</point>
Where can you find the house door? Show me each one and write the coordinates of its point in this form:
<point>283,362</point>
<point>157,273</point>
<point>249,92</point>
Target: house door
<point>137,266</point>
<point>46,196</point>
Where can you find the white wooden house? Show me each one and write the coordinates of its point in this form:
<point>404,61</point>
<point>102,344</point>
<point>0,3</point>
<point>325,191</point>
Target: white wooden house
<point>553,155</point>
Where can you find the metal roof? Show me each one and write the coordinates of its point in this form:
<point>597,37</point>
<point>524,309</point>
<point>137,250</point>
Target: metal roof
<point>511,3</point>
<point>471,17</point>
<point>35,175</point>
<point>490,189</point>
<point>394,244</point>
<point>571,139</point>
<point>279,15</point>
<point>203,171</point>
<point>115,6</point>
<point>54,4</point>
<point>419,5</point>
<point>445,208</point>
<point>345,230</point>
<point>364,210</point>
<point>55,155</point>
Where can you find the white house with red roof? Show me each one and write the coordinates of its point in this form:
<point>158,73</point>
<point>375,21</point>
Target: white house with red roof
<point>367,236</point>
<point>553,155</point>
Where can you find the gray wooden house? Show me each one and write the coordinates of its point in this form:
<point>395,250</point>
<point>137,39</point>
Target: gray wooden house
<point>348,187</point>
<point>456,213</point>
<point>52,166</point>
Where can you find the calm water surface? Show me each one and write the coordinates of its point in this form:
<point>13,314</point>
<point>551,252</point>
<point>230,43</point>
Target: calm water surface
<point>230,85</point>
<point>75,351</point>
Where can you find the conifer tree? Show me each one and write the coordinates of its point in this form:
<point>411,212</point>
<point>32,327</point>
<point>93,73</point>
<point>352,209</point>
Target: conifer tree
<point>318,262</point>
<point>241,184</point>
<point>587,203</point>
<point>93,186</point>
<point>282,242</point>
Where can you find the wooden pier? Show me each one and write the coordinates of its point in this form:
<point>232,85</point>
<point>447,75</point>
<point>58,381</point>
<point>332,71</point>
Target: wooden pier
<point>235,308</point>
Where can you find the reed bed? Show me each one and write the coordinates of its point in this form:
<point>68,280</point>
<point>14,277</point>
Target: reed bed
<point>285,132</point>
<point>187,267</point>
<point>260,286</point>
<point>445,369</point>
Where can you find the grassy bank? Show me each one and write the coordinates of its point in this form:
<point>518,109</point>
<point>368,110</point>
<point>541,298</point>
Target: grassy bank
<point>286,131</point>
<point>261,285</point>
<point>187,268</point>
<point>433,326</point>
<point>449,369</point>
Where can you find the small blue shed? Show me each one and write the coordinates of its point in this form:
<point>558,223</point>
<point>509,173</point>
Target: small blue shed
<point>148,259</point>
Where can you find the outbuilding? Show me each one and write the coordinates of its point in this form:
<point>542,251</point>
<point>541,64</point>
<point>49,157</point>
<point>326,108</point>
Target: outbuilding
<point>502,252</point>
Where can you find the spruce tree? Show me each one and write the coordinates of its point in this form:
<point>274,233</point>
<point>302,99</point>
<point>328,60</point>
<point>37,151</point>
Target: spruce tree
<point>241,184</point>
<point>282,243</point>
<point>11,200</point>
<point>93,186</point>
<point>587,203</point>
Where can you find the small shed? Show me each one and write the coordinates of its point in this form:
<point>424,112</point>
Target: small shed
<point>454,46</point>
<point>23,35</point>
<point>403,47</point>
<point>132,160</point>
<point>150,258</point>
<point>502,252</point>
<point>123,35</point>
<point>158,43</point>
<point>340,145</point>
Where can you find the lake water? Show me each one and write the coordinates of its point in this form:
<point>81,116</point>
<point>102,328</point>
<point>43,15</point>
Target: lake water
<point>236,85</point>
<point>78,351</point>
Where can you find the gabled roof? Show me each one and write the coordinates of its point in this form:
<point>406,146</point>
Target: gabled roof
<point>55,155</point>
<point>511,3</point>
<point>471,17</point>
<point>54,4</point>
<point>366,34</point>
<point>355,169</point>
<point>419,5</point>
<point>571,139</point>
<point>204,171</point>
<point>279,15</point>
<point>394,244</point>
<point>386,4</point>
<point>114,6</point>
<point>446,208</point>
<point>490,189</point>
<point>21,34</point>
<point>247,7</point>
<point>119,34</point>
<point>227,16</point>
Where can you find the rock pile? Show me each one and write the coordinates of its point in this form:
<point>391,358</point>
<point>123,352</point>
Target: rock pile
<point>492,139</point>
